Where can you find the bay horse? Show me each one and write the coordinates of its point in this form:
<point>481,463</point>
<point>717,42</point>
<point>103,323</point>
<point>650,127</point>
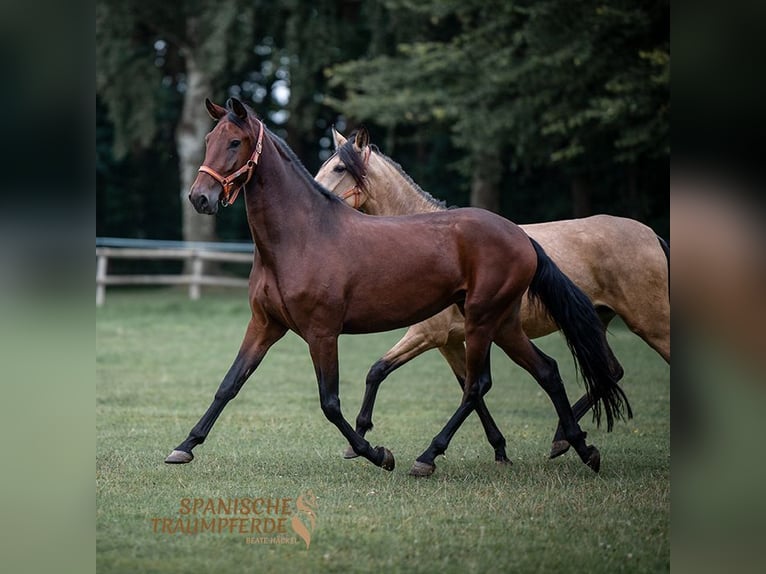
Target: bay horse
<point>322,269</point>
<point>619,263</point>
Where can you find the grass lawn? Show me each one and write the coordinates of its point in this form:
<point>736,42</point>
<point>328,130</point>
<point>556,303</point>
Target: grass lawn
<point>160,358</point>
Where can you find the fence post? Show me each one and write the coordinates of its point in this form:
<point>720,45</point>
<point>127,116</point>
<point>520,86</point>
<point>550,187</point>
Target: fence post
<point>101,280</point>
<point>194,286</point>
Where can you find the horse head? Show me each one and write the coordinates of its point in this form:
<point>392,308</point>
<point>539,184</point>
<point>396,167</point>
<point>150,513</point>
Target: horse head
<point>232,150</point>
<point>345,173</point>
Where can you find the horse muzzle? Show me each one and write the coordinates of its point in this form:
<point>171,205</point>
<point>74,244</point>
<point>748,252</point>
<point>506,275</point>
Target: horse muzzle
<point>205,202</point>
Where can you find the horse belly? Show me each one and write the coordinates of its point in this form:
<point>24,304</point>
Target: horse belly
<point>387,316</point>
<point>395,295</point>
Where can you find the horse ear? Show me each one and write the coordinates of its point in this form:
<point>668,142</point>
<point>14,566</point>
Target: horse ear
<point>216,112</point>
<point>362,139</point>
<point>338,138</point>
<point>237,107</point>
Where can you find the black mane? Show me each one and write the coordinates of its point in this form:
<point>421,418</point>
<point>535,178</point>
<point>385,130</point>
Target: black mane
<point>290,155</point>
<point>353,162</point>
<point>285,151</point>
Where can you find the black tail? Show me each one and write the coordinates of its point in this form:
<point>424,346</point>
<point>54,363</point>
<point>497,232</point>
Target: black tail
<point>573,312</point>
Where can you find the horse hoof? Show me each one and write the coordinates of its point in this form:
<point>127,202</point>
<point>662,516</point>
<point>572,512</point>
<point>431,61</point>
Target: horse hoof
<point>349,453</point>
<point>421,469</point>
<point>179,457</point>
<point>558,447</point>
<point>594,459</point>
<point>388,459</point>
<point>503,460</point>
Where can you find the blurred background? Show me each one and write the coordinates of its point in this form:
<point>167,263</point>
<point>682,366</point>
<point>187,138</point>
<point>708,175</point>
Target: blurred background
<point>538,110</point>
<point>569,99</point>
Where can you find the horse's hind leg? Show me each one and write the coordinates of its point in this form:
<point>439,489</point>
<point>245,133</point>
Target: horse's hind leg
<point>560,445</point>
<point>454,354</point>
<point>646,311</point>
<point>651,322</point>
<point>653,326</point>
<point>478,382</point>
<point>544,369</point>
<point>430,334</point>
<point>261,334</point>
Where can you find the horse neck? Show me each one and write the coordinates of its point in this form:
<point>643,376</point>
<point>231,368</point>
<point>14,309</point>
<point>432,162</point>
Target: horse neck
<point>392,192</point>
<point>282,205</point>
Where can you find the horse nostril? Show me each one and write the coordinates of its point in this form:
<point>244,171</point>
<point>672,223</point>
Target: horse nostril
<point>202,201</point>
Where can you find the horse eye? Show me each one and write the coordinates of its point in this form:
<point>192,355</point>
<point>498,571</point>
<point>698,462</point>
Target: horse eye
<point>340,168</point>
<point>234,144</point>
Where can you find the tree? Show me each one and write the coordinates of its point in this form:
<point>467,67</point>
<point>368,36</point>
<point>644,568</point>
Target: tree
<point>580,88</point>
<point>147,48</point>
<point>488,102</point>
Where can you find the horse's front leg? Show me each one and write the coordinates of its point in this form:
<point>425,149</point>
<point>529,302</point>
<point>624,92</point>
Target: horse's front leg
<point>560,444</point>
<point>261,334</point>
<point>415,342</point>
<point>543,368</point>
<point>324,354</point>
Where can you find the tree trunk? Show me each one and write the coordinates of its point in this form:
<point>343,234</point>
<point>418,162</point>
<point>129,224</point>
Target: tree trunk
<point>190,143</point>
<point>485,189</point>
<point>580,197</point>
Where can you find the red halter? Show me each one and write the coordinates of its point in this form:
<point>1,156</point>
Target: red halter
<point>229,182</point>
<point>354,192</point>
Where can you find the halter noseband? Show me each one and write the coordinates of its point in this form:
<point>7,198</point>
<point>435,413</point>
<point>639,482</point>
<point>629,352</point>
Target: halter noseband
<point>228,183</point>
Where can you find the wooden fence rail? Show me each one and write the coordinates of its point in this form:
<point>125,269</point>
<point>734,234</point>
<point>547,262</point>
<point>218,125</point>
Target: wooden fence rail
<point>145,249</point>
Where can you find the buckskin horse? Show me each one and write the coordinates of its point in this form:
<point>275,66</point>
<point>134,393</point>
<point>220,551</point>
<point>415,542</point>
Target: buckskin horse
<point>619,263</point>
<point>322,269</point>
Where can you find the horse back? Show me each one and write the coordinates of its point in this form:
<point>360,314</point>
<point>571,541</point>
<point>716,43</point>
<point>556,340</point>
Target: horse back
<point>379,273</point>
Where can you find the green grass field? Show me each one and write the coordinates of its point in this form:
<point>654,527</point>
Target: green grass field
<point>160,358</point>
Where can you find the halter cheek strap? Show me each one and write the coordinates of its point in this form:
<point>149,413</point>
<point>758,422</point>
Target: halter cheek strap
<point>354,192</point>
<point>230,188</point>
